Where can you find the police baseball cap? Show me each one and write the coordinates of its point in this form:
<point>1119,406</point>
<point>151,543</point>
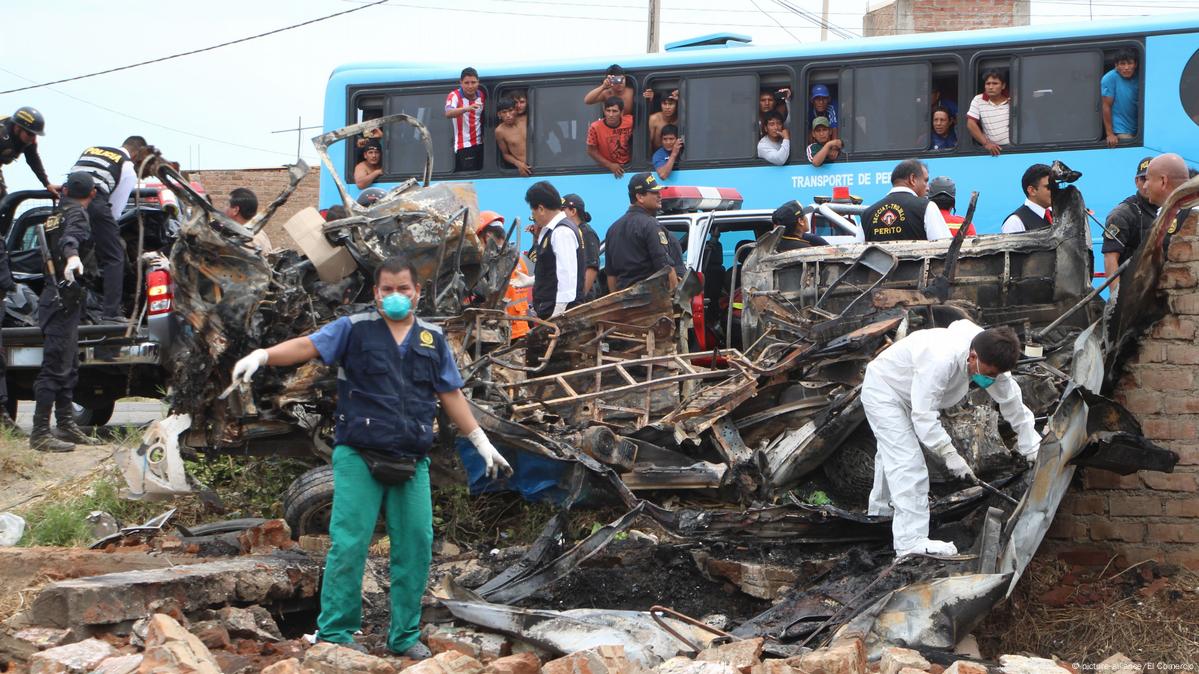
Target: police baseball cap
<point>1143,167</point>
<point>820,90</point>
<point>79,185</point>
<point>643,183</point>
<point>942,185</point>
<point>787,214</point>
<point>576,202</point>
<point>820,121</point>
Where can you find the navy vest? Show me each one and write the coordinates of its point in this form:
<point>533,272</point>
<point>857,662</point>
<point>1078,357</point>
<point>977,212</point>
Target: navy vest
<point>386,402</point>
<point>899,216</point>
<point>1031,220</point>
<point>545,272</point>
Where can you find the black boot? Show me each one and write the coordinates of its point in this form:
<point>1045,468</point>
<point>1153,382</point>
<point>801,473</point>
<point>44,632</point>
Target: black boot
<point>67,429</point>
<point>41,438</point>
<point>7,423</point>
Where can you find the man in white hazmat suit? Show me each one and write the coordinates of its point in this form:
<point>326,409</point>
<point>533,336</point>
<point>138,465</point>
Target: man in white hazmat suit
<point>904,390</point>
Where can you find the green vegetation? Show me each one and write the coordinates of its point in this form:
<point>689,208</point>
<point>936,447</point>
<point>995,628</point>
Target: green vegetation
<point>63,520</point>
<point>248,486</point>
<point>500,519</point>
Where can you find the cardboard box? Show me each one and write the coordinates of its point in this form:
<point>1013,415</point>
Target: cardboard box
<point>333,263</point>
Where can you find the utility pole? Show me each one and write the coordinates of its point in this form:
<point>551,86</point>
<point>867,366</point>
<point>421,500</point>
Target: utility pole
<point>652,32</point>
<point>299,129</point>
<point>824,21</point>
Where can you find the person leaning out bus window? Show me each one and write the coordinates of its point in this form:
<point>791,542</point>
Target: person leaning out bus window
<point>464,109</point>
<point>823,148</point>
<point>775,146</point>
<point>666,158</point>
<point>669,114</point>
<point>1121,92</point>
<point>615,83</point>
<point>609,137</point>
<point>367,171</point>
<point>510,136</point>
<point>989,112</point>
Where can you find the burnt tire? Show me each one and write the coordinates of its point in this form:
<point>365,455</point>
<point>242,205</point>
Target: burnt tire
<point>308,502</point>
<point>98,414</point>
<point>850,469</point>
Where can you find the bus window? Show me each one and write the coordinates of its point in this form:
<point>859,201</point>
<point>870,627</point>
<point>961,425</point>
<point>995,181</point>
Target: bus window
<point>403,150</point>
<point>560,126</point>
<point>944,97</point>
<point>368,108</point>
<point>1188,88</point>
<point>821,99</point>
<point>661,98</point>
<point>721,102</point>
<point>1057,97</point>
<point>886,108</point>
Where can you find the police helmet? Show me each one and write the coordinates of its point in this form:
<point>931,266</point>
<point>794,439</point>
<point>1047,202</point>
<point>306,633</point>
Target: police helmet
<point>30,119</point>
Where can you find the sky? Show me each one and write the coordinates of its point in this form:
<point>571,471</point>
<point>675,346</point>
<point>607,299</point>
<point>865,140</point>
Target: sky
<point>218,109</point>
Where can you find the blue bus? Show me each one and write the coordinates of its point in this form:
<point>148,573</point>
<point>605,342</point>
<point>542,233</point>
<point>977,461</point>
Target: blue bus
<point>882,87</point>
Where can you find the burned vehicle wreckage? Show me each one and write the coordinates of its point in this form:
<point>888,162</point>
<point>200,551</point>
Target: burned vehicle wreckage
<point>716,446</point>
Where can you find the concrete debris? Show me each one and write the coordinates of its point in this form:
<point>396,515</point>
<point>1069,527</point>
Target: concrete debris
<point>1119,664</point>
<point>77,658</point>
<point>447,662</point>
<point>170,648</point>
<point>848,657</point>
<point>684,665</point>
<point>326,658</point>
<point>895,659</point>
<point>483,646</point>
<point>517,663</point>
<point>585,662</point>
<point>966,667</point>
<point>740,655</point>
<point>1020,664</point>
<point>212,634</point>
<point>288,666</point>
<point>117,597</point>
<point>24,642</point>
<point>249,623</point>
<point>121,664</point>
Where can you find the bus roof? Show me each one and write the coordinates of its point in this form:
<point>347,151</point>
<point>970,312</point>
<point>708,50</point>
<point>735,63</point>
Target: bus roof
<point>1123,27</point>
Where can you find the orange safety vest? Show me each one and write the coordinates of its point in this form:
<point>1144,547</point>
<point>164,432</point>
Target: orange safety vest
<point>516,300</point>
<point>955,222</point>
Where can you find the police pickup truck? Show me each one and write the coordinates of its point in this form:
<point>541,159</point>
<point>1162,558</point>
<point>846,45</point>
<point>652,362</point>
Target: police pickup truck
<point>115,361</point>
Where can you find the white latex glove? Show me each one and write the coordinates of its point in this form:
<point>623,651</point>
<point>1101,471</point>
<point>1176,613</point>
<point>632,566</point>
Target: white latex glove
<point>156,261</point>
<point>74,266</point>
<point>954,463</point>
<point>520,280</point>
<point>246,367</point>
<point>492,458</point>
<point>558,308</point>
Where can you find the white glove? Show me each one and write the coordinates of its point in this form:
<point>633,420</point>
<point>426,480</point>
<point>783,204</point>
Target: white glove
<point>954,463</point>
<point>74,265</point>
<point>492,459</point>
<point>558,308</point>
<point>520,280</point>
<point>246,367</point>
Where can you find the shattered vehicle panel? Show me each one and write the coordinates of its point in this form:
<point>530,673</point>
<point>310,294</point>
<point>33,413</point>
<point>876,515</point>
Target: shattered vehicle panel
<point>607,404</point>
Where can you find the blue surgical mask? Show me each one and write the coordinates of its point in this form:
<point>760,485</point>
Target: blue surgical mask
<point>982,380</point>
<point>397,306</point>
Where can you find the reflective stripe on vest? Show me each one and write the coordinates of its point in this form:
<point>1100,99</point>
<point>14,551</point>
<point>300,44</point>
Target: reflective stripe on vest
<point>104,165</point>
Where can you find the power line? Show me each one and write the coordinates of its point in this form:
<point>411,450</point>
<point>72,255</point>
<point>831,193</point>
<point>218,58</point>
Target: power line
<point>780,23</point>
<point>195,51</point>
<point>146,121</point>
<point>814,19</point>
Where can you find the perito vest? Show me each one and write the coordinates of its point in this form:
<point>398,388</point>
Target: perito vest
<point>899,216</point>
<point>385,401</point>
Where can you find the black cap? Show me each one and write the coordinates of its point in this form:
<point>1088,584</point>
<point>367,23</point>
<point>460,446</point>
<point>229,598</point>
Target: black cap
<point>1143,167</point>
<point>576,202</point>
<point>643,183</point>
<point>787,214</point>
<point>79,185</point>
<point>372,144</point>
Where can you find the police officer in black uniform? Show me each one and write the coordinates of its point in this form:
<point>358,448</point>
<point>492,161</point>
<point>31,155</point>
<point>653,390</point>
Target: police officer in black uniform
<point>637,245</point>
<point>18,136</point>
<point>114,171</point>
<point>576,210</point>
<point>69,235</point>
<point>905,213</point>
<point>1127,224</point>
<point>795,235</point>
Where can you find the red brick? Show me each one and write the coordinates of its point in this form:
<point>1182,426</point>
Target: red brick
<point>1182,354</point>
<point>1084,504</point>
<point>1095,478</point>
<point>581,662</point>
<point>1067,528</point>
<point>1166,378</point>
<point>1184,303</point>
<point>1188,557</point>
<point>1182,507</point>
<point>1134,506</point>
<point>1181,251</point>
<point>520,663</point>
<point>1141,401</point>
<point>1135,554</point>
<point>1169,481</point>
<point>1177,275</point>
<point>1106,530</point>
<point>1086,555</point>
<point>1172,533</point>
<point>1173,327</point>
<point>1150,351</point>
<point>1164,428</point>
<point>1178,405</point>
<point>740,655</point>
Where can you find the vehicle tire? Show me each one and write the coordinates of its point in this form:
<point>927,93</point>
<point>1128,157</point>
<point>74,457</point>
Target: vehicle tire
<point>308,502</point>
<point>850,469</point>
<point>95,415</point>
<point>222,527</point>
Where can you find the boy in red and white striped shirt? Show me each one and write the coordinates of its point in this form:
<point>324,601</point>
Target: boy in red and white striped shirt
<point>464,109</point>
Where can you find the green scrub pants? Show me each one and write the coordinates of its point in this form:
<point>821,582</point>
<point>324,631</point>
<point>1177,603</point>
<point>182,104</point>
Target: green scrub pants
<point>357,498</point>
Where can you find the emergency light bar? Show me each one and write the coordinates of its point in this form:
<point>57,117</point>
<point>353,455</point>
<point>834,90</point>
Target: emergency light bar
<point>683,199</point>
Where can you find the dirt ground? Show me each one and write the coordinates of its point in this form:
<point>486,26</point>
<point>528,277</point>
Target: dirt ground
<point>26,475</point>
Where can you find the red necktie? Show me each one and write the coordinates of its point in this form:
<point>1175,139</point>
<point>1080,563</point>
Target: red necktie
<point>1049,216</point>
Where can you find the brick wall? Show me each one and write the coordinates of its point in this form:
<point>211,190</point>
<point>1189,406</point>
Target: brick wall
<point>930,16</point>
<point>1149,515</point>
<point>266,183</point>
